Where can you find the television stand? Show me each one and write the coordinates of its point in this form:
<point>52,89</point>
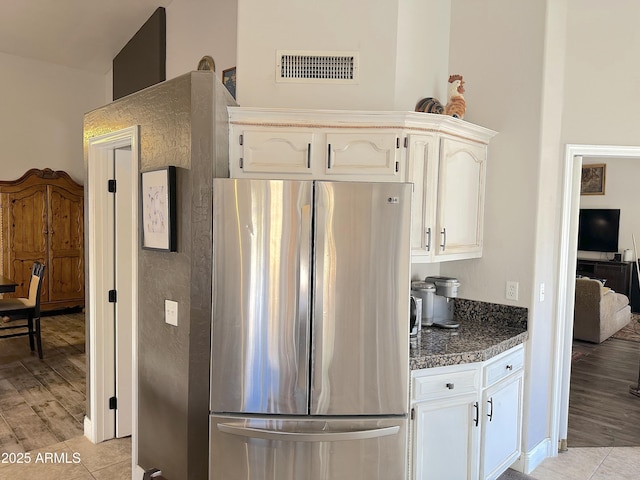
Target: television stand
<point>617,274</point>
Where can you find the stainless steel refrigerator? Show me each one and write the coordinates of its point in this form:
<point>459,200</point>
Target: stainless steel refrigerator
<point>310,335</point>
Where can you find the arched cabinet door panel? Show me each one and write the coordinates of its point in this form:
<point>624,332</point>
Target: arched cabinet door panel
<point>460,207</point>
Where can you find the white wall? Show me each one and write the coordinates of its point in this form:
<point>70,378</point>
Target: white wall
<point>602,96</point>
<point>41,116</point>
<point>602,71</point>
<point>196,28</point>
<point>621,191</point>
<point>499,48</point>
<point>422,52</point>
<point>402,46</point>
<point>503,84</point>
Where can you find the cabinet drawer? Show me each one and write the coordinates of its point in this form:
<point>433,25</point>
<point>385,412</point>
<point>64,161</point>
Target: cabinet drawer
<point>445,384</point>
<point>504,365</point>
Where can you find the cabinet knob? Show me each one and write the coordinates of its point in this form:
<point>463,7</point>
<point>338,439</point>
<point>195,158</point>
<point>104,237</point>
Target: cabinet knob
<point>509,367</point>
<point>450,386</point>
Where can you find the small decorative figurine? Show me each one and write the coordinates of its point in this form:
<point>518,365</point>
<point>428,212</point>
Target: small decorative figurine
<point>456,105</point>
<point>207,63</point>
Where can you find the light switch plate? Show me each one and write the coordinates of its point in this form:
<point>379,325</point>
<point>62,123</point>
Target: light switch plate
<point>171,312</point>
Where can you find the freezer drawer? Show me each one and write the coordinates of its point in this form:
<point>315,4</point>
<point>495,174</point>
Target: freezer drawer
<point>288,448</point>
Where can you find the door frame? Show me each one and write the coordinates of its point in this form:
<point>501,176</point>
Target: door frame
<point>101,379</point>
<point>566,279</point>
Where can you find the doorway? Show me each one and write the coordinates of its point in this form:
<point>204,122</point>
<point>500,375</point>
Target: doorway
<point>566,278</point>
<point>112,246</point>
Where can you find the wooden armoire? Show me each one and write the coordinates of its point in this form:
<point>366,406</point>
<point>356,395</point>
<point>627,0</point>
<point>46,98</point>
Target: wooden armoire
<point>42,219</point>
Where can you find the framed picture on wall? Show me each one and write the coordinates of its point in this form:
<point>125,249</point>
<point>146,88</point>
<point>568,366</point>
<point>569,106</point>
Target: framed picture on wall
<point>229,80</point>
<point>593,179</point>
<point>158,192</point>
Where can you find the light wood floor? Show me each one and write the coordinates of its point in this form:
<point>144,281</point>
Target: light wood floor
<point>42,402</point>
<point>602,412</point>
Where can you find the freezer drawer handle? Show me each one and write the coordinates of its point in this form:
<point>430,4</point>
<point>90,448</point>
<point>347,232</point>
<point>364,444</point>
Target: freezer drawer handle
<point>306,437</point>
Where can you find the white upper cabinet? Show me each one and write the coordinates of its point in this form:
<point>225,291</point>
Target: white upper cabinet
<point>422,171</point>
<point>363,155</point>
<point>319,145</point>
<point>448,173</point>
<point>460,204</point>
<point>444,157</point>
<point>272,151</point>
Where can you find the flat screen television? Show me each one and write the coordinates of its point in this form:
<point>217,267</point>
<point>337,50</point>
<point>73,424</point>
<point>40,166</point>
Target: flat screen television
<point>598,229</point>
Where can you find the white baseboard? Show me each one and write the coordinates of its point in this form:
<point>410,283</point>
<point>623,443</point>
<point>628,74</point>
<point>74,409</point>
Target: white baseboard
<point>528,461</point>
<point>138,473</point>
<point>88,429</point>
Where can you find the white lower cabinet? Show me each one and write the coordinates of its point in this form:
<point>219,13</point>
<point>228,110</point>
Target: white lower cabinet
<point>467,419</point>
<point>501,440</point>
<point>445,414</point>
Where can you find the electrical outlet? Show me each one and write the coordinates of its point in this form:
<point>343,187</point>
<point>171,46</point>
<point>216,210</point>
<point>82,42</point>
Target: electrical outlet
<point>542,292</point>
<point>171,312</point>
<point>512,290</point>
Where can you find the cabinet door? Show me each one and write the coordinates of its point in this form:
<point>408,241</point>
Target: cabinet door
<point>66,245</point>
<point>501,426</point>
<point>445,443</point>
<point>271,153</point>
<point>460,208</point>
<point>422,171</point>
<point>25,236</point>
<point>370,156</point>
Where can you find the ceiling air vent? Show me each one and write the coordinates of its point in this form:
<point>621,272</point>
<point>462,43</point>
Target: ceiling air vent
<point>298,66</point>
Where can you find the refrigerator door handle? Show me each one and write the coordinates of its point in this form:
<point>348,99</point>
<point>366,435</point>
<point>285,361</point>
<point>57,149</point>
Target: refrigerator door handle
<point>304,279</point>
<point>239,430</point>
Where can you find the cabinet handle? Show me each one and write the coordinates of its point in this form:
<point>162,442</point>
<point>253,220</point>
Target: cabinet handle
<point>475,420</point>
<point>308,155</point>
<point>329,157</point>
<point>444,238</point>
<point>241,139</point>
<point>428,232</point>
<point>490,414</point>
<point>509,367</point>
<point>450,386</point>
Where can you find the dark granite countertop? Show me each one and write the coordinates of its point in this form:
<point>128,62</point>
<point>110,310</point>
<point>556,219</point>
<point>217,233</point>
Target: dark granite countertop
<point>485,330</point>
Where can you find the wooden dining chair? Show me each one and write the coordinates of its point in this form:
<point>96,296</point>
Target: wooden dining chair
<point>25,308</point>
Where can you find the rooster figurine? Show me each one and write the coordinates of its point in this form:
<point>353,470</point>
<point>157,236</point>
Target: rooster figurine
<point>456,105</point>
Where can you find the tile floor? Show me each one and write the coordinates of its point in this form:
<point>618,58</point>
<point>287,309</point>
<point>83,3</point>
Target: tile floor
<point>591,463</point>
<point>73,459</point>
